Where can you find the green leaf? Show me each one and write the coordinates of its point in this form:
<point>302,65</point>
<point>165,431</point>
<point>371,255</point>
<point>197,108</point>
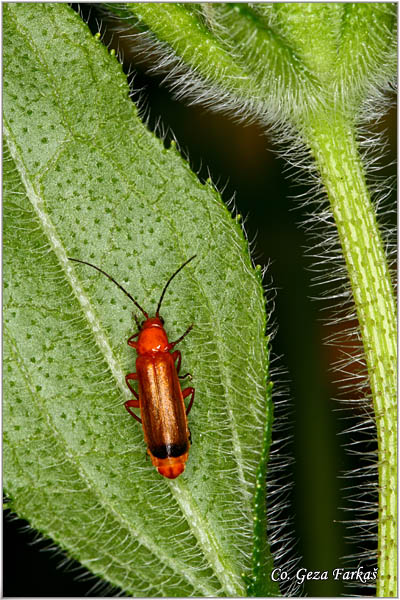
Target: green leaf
<point>313,71</point>
<point>83,177</point>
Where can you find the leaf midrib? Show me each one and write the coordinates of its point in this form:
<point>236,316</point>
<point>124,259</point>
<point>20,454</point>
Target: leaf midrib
<point>73,457</point>
<point>227,581</point>
<point>101,340</point>
<point>223,575</point>
<point>110,360</point>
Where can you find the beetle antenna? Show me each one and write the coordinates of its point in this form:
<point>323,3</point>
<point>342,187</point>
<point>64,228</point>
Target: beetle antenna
<point>169,281</point>
<point>83,262</point>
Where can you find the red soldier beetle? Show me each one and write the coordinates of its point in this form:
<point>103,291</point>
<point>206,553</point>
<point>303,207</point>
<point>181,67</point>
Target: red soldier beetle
<point>160,398</point>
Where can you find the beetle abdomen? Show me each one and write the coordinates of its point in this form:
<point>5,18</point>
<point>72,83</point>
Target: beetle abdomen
<point>163,413</point>
<point>170,450</point>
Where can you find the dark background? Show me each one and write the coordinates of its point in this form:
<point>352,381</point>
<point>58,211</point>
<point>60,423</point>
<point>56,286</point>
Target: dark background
<point>241,160</point>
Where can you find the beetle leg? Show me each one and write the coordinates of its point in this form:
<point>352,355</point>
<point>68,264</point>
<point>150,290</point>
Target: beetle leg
<point>177,355</point>
<point>130,342</point>
<point>172,344</point>
<point>185,376</point>
<point>135,404</point>
<point>189,391</point>
<point>127,378</point>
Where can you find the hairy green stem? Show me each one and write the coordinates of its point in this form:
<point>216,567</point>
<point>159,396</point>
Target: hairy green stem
<point>335,150</point>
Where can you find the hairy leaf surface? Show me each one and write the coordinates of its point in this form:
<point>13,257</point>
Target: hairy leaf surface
<point>314,71</point>
<point>85,178</point>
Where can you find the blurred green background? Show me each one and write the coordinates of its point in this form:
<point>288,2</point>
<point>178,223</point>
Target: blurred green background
<point>242,161</point>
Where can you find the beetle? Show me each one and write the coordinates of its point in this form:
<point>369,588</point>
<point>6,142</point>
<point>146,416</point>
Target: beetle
<point>163,415</point>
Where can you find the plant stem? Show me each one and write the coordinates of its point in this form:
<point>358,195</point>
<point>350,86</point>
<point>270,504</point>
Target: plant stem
<point>335,149</point>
